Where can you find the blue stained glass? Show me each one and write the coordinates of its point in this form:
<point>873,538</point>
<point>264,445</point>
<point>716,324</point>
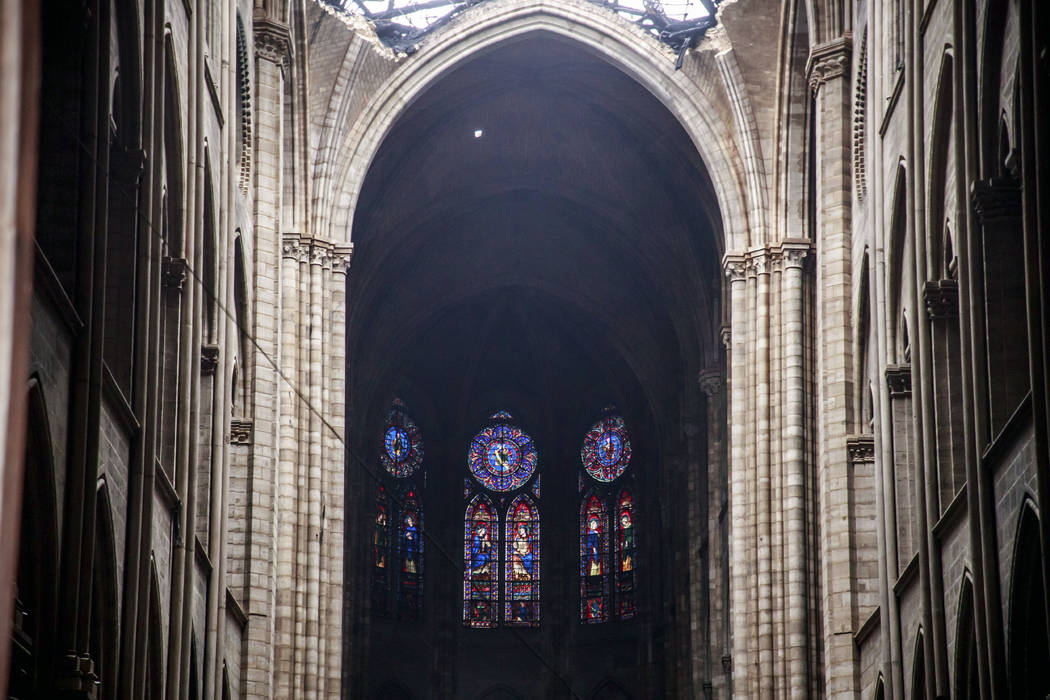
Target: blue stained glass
<point>480,564</point>
<point>402,452</point>
<point>502,456</point>
<point>594,557</point>
<point>606,449</point>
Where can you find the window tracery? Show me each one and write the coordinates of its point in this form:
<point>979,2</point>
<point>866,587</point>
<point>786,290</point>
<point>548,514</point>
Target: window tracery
<point>607,523</point>
<point>502,462</point>
<point>397,525</point>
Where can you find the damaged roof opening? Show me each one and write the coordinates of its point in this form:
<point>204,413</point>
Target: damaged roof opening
<point>402,24</point>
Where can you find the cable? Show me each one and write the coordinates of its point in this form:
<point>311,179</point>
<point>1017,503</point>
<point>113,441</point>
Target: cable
<point>133,201</point>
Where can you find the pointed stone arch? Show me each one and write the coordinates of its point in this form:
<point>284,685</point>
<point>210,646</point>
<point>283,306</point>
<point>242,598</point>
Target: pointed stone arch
<point>344,158</point>
<point>1027,644</point>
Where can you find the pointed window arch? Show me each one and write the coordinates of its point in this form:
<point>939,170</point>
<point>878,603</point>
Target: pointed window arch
<point>608,544</point>
<point>623,555</point>
<point>480,563</point>
<point>522,561</point>
<point>397,519</point>
<point>594,548</point>
<point>410,548</point>
<point>503,466</point>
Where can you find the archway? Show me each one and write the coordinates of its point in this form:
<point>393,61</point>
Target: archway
<point>33,633</point>
<point>537,233</point>
<point>1028,648</point>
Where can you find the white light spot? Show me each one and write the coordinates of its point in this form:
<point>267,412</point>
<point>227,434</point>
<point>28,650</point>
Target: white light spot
<point>478,133</point>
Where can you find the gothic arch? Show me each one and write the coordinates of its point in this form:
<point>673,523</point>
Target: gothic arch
<point>967,679</point>
<point>36,593</point>
<point>918,669</point>
<point>343,164</point>
<point>898,275</point>
<point>1027,644</point>
<point>155,666</point>
<point>104,603</point>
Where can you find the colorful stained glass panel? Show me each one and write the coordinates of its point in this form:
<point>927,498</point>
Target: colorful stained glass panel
<point>606,449</point>
<point>522,562</point>
<point>402,452</point>
<point>502,456</point>
<point>594,555</point>
<point>480,564</point>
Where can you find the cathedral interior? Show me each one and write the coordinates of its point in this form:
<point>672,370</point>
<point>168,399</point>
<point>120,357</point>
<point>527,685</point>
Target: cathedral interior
<point>512,349</point>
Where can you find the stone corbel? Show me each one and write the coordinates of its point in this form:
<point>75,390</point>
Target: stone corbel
<point>860,449</point>
<point>942,298</point>
<point>898,380</point>
<point>209,359</point>
<point>273,42</point>
<point>241,431</point>
<point>173,273</point>
<point>828,61</point>
<point>996,200</point>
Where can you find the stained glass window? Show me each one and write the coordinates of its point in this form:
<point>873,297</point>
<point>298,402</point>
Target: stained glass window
<point>397,525</point>
<point>381,554</point>
<point>402,451</point>
<point>410,545</point>
<point>481,564</point>
<point>594,549</point>
<point>501,577</point>
<point>606,449</point>
<point>607,523</point>
<point>522,574</point>
<point>502,456</point>
<point>623,555</point>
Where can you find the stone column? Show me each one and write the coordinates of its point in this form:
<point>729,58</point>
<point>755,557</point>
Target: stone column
<point>738,547</point>
<point>794,491</point>
<point>829,80</point>
<point>711,679</point>
<point>272,42</point>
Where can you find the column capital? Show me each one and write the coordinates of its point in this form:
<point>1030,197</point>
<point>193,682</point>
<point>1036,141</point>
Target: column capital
<point>735,266</point>
<point>760,260</point>
<point>829,60</point>
<point>710,381</point>
<point>273,41</point>
<point>342,256</point>
<point>794,252</point>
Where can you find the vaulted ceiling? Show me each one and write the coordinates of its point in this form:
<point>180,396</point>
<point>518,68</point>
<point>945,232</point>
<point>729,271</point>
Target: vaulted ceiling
<point>539,180</point>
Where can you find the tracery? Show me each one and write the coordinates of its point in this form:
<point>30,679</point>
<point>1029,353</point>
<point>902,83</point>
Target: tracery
<point>607,518</point>
<point>502,462</point>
